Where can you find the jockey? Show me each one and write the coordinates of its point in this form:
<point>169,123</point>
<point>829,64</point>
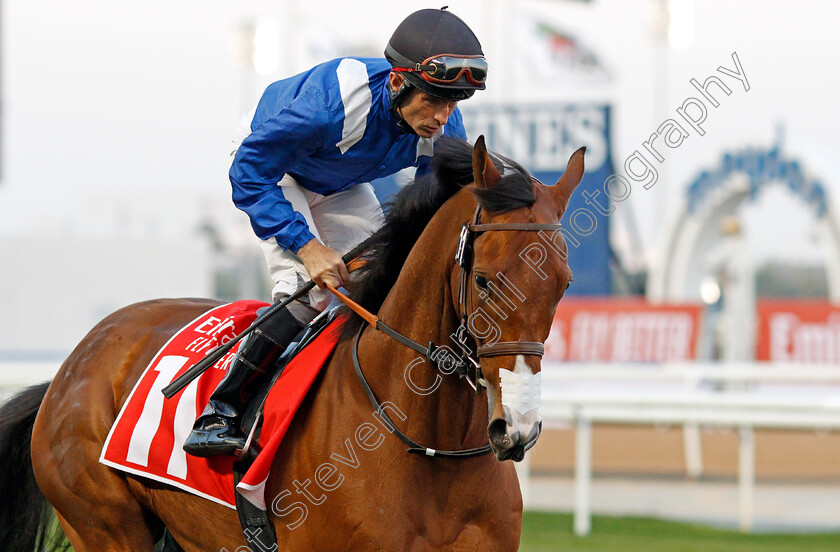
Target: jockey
<point>302,164</point>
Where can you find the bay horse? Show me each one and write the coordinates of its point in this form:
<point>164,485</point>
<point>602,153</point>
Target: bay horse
<point>368,493</point>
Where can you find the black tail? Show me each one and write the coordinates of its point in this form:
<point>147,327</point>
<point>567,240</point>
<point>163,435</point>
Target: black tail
<point>26,519</point>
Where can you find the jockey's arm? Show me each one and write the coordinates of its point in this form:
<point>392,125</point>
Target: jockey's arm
<point>265,156</point>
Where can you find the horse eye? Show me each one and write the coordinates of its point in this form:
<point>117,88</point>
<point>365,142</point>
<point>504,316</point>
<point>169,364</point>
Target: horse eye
<point>569,283</point>
<point>481,281</point>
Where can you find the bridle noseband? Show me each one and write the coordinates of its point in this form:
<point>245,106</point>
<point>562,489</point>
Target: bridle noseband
<point>464,257</point>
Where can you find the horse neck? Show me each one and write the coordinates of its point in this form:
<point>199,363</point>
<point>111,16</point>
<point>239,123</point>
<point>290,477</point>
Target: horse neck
<point>420,307</point>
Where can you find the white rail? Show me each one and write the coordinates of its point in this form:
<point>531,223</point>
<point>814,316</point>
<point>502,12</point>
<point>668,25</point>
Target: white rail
<point>740,396</point>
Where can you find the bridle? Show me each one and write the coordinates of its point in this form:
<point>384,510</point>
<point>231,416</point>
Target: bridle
<point>464,256</point>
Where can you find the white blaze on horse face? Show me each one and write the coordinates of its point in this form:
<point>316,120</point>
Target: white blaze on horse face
<point>521,397</point>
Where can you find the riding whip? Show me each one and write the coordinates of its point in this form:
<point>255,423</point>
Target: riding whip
<point>201,366</point>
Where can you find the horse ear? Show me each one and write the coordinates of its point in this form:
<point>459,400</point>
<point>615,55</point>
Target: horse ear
<point>570,179</point>
<point>485,173</point>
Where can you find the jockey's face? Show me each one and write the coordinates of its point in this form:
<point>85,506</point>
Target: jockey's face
<point>423,112</point>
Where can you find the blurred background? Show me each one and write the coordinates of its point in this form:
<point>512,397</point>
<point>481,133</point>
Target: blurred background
<point>692,371</point>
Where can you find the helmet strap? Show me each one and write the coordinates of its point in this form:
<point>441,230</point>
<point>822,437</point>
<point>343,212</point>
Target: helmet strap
<point>397,98</point>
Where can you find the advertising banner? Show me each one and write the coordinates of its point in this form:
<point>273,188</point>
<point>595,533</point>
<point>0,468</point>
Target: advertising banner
<point>623,330</point>
<point>798,331</point>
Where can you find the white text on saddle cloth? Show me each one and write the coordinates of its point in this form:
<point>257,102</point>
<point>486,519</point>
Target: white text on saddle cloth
<point>212,333</point>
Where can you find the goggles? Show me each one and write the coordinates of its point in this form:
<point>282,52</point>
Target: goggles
<point>448,68</point>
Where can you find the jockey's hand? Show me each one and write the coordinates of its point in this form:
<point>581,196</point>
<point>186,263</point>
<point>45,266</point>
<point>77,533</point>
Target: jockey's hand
<point>323,264</point>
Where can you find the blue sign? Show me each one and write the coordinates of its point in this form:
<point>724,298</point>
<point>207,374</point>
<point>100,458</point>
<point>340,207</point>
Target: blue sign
<point>542,138</point>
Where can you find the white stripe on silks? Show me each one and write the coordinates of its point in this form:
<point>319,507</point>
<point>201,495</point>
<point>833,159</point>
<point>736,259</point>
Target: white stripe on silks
<point>185,414</point>
<point>146,428</point>
<point>356,97</point>
<point>426,146</point>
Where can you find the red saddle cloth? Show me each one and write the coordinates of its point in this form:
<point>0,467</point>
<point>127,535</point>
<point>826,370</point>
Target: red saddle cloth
<point>148,434</point>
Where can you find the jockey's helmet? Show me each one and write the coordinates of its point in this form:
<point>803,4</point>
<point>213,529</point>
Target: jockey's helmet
<point>439,54</point>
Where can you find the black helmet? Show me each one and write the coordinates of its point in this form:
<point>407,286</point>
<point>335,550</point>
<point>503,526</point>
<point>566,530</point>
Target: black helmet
<point>439,54</point>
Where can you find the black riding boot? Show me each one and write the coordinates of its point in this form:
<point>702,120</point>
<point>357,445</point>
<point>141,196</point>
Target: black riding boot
<point>217,431</point>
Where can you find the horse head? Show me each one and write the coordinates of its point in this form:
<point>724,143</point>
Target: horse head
<point>516,273</point>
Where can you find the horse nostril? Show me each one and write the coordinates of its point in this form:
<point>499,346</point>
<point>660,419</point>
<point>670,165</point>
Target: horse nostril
<point>497,430</point>
<point>503,435</point>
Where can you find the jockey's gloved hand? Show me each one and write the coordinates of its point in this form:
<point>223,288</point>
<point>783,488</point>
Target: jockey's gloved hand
<point>324,264</point>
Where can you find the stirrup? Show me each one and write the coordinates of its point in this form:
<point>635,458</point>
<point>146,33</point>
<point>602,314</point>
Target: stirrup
<point>217,431</point>
<point>214,436</point>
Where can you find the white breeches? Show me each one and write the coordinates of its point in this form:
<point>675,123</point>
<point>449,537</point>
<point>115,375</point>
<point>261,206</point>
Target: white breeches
<point>340,221</point>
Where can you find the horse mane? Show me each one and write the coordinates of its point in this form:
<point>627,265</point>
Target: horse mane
<point>411,209</point>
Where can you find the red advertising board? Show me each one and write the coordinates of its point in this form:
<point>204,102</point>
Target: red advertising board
<point>623,330</point>
<point>798,331</point>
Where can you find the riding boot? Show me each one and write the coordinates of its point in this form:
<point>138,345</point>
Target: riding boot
<point>217,431</point>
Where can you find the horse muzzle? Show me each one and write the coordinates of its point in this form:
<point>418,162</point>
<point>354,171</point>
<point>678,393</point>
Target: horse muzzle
<point>518,431</point>
<point>513,435</point>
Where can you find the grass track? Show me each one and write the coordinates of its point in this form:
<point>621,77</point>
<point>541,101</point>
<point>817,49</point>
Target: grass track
<point>553,532</point>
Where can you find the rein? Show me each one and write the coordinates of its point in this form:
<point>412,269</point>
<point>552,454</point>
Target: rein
<point>464,257</point>
<point>414,447</point>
